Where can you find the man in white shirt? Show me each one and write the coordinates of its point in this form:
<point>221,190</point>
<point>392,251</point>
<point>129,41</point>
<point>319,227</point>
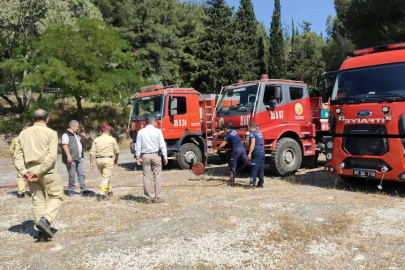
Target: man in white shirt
<point>149,142</point>
<point>72,156</point>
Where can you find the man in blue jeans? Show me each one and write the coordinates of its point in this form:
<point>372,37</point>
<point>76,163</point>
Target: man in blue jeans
<point>72,156</point>
<point>238,152</point>
<point>256,156</point>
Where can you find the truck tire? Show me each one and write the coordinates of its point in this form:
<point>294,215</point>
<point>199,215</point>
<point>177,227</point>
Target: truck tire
<point>188,155</point>
<point>287,157</point>
<point>223,157</point>
<point>310,161</point>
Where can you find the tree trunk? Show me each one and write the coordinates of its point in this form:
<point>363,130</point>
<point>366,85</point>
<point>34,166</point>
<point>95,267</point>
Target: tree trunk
<point>79,109</point>
<point>9,101</point>
<point>17,96</point>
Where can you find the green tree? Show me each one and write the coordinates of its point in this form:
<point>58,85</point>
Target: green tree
<point>337,48</point>
<point>263,50</point>
<point>216,49</point>
<point>22,21</point>
<point>247,40</point>
<point>277,65</point>
<point>372,22</point>
<point>87,60</point>
<point>162,33</point>
<point>306,63</point>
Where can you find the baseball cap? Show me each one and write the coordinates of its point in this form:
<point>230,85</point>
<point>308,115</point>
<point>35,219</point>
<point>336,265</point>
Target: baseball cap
<point>105,127</point>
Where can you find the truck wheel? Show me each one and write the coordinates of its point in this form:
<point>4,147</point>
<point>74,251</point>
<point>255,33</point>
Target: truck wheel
<point>188,155</point>
<point>310,161</point>
<point>286,157</point>
<point>223,157</point>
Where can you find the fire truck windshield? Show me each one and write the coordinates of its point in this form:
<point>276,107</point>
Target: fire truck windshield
<point>145,106</point>
<point>238,101</point>
<point>370,84</point>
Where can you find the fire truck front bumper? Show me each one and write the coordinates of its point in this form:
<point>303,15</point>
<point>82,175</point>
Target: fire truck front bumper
<point>389,165</point>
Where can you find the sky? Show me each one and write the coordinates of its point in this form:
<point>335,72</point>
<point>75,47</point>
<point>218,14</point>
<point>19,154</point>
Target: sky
<point>314,11</point>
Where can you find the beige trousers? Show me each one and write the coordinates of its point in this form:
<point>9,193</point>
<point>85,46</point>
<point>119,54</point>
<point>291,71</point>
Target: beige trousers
<point>48,185</point>
<point>20,183</point>
<point>105,166</point>
<point>152,165</point>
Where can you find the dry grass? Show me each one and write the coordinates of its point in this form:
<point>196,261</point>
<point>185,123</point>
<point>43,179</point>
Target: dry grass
<point>206,224</point>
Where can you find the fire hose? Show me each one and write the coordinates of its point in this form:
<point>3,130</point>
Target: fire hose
<point>198,168</point>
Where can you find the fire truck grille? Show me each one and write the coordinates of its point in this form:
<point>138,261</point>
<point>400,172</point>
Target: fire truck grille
<point>365,163</point>
<point>365,140</point>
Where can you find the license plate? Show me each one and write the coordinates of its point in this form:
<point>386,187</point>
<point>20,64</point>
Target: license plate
<point>363,173</point>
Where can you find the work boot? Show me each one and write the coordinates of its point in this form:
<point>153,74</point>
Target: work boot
<point>158,200</point>
<point>44,226</point>
<point>260,185</point>
<point>20,195</point>
<point>42,237</point>
<point>72,194</point>
<point>148,200</point>
<point>110,193</point>
<point>102,197</point>
<point>85,193</point>
<point>251,185</point>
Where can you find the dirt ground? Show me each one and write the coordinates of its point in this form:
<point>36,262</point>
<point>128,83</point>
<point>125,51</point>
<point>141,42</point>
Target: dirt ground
<point>309,221</point>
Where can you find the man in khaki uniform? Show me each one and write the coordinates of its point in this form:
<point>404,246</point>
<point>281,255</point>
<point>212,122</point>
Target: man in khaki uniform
<point>20,180</point>
<point>35,160</point>
<point>105,150</point>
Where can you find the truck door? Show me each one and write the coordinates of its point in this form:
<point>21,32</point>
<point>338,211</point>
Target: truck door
<point>271,110</point>
<point>299,104</point>
<point>179,119</point>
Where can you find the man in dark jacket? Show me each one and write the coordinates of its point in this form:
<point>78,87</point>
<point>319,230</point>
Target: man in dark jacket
<point>72,156</point>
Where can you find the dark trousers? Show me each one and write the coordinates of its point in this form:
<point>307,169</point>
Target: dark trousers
<point>257,165</point>
<point>236,156</point>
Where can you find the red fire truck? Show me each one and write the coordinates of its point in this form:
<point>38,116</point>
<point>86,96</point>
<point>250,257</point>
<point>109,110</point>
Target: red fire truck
<point>292,123</point>
<point>367,116</point>
<point>183,115</point>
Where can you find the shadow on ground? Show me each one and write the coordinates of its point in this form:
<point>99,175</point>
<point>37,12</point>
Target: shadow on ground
<point>138,199</point>
<point>15,192</point>
<point>325,180</point>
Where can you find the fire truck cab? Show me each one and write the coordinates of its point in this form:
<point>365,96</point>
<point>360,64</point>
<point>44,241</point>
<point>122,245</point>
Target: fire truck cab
<point>292,123</point>
<point>367,116</point>
<point>183,115</point>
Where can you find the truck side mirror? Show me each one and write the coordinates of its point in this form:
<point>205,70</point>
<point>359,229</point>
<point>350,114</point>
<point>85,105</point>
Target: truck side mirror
<point>326,93</point>
<point>173,106</point>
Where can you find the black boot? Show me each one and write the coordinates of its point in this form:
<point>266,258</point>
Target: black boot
<point>44,226</point>
<point>110,193</point>
<point>20,195</point>
<point>42,237</point>
<point>251,185</point>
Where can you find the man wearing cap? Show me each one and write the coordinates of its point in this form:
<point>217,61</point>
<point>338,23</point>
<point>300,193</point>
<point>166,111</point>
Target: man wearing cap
<point>35,159</point>
<point>20,179</point>
<point>238,152</point>
<point>73,157</point>
<point>105,150</point>
<point>149,141</point>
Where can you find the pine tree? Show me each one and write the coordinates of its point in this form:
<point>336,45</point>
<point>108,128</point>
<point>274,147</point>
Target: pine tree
<point>247,42</point>
<point>277,65</point>
<point>263,53</point>
<point>216,52</point>
<point>292,32</point>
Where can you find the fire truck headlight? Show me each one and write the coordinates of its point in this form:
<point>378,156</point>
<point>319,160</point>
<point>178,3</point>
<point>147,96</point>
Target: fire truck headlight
<point>331,169</point>
<point>401,176</point>
<point>329,156</point>
<point>338,111</point>
<point>329,145</point>
<point>386,109</point>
